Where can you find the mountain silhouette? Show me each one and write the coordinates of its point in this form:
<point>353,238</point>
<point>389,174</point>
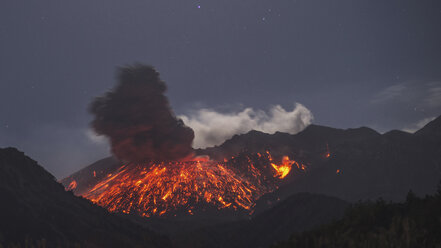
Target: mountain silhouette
<point>36,211</point>
<point>362,164</point>
<point>353,165</point>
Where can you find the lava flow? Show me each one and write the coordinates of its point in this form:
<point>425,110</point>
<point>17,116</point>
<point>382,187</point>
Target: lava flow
<point>72,185</point>
<point>283,169</point>
<point>170,188</point>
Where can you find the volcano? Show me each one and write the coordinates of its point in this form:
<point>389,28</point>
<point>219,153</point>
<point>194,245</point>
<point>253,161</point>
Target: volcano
<point>353,164</point>
<point>348,166</point>
<point>189,187</point>
<point>161,176</point>
<point>254,179</point>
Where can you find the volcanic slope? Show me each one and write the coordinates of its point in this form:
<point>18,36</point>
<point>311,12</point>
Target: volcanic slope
<point>352,164</point>
<point>35,210</point>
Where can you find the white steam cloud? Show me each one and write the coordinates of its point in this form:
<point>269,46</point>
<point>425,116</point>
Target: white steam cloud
<point>212,128</point>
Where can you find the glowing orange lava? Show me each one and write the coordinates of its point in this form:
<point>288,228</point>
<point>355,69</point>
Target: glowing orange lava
<point>158,189</point>
<point>283,169</point>
<point>72,185</point>
<point>328,153</point>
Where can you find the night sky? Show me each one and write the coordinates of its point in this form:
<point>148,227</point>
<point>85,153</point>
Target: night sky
<point>350,63</point>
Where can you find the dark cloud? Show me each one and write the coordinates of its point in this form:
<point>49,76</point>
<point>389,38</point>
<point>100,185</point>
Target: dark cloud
<point>137,118</point>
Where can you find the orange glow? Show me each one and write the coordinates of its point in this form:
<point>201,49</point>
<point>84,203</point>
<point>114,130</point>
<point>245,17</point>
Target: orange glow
<point>72,185</point>
<point>283,169</point>
<point>157,189</point>
<point>337,172</point>
<point>328,153</point>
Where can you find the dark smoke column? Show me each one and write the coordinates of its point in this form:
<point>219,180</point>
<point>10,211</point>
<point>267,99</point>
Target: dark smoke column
<point>137,118</point>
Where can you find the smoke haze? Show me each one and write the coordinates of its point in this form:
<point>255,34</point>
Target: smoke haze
<point>137,118</point>
<point>212,128</point>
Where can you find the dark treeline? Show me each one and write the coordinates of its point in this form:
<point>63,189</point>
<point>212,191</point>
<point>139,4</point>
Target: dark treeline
<point>414,223</point>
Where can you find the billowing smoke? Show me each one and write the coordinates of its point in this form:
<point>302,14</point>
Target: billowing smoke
<point>138,120</point>
<point>212,128</point>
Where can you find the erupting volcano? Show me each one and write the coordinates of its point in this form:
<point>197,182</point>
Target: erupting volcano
<point>176,188</point>
<point>158,178</point>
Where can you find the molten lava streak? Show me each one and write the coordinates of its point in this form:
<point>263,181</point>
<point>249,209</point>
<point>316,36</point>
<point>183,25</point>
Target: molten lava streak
<point>171,187</point>
<point>72,185</point>
<point>283,169</point>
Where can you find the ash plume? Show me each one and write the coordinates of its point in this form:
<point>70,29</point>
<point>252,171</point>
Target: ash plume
<point>137,118</point>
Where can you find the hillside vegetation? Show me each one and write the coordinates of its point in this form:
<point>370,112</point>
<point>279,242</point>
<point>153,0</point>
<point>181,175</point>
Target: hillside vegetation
<point>414,223</point>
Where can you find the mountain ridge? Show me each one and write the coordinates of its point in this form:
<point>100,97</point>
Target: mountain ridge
<point>352,164</point>
<point>36,210</point>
